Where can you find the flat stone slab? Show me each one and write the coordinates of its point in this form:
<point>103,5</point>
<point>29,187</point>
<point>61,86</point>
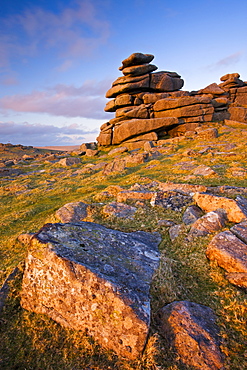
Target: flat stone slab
<point>91,278</point>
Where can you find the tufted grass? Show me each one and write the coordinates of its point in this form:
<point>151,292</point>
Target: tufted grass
<point>30,341</point>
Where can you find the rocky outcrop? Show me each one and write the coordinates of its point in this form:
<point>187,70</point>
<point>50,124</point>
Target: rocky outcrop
<point>151,103</point>
<point>91,278</point>
<point>192,331</point>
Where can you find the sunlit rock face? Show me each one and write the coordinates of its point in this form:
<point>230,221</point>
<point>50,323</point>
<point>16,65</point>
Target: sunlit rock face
<point>94,279</point>
<point>146,101</point>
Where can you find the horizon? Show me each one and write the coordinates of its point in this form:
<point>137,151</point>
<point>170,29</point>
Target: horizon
<point>58,59</point>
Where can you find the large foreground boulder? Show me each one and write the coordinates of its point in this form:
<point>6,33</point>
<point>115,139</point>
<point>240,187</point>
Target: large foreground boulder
<point>91,278</point>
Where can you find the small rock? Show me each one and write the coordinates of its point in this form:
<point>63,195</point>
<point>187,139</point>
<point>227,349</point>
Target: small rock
<point>91,152</point>
<point>134,194</point>
<point>27,157</point>
<point>25,238</point>
<point>229,252</point>
<point>238,278</point>
<point>203,170</point>
<point>209,223</point>
<point>170,200</point>
<point>240,230</point>
<point>69,161</point>
<point>121,210</point>
<point>86,146</point>
<point>175,231</point>
<point>191,214</point>
<point>118,165</point>
<point>117,151</point>
<point>148,145</point>
<point>72,212</point>
<point>166,223</point>
<point>236,210</point>
<point>192,331</point>
<point>136,158</point>
<point>210,133</point>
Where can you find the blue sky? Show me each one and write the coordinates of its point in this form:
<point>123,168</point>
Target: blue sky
<point>58,58</point>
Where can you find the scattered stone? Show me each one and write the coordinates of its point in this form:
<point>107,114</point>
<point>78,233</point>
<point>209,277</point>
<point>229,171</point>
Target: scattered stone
<point>175,231</point>
<point>191,329</point>
<point>25,238</point>
<point>205,171</point>
<point>191,215</point>
<point>121,210</point>
<point>69,161</point>
<point>236,210</point>
<point>138,158</point>
<point>27,157</point>
<point>117,151</point>
<point>148,146</point>
<point>123,196</point>
<point>86,146</point>
<point>166,223</point>
<point>240,230</point>
<point>114,167</point>
<point>238,278</point>
<point>229,252</point>
<point>170,200</point>
<point>209,223</point>
<point>210,133</point>
<point>185,188</point>
<point>91,152</point>
<point>9,163</point>
<point>72,212</point>
<point>110,273</point>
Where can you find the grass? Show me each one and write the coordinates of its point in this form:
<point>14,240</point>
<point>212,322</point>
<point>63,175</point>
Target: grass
<point>31,341</point>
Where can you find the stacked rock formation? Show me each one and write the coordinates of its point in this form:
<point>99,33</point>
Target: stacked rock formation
<point>150,106</point>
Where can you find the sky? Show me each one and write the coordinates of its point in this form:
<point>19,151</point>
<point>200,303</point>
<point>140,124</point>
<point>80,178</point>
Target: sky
<point>58,58</point>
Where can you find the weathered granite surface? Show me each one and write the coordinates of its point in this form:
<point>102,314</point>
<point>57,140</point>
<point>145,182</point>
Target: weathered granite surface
<point>94,279</point>
<point>141,96</point>
<point>191,329</point>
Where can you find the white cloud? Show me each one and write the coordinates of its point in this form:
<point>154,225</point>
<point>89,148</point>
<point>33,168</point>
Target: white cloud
<point>44,135</point>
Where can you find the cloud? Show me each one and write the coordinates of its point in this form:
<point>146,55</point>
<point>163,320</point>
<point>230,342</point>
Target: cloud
<point>73,32</point>
<point>62,100</point>
<point>227,61</point>
<point>9,81</point>
<point>43,135</point>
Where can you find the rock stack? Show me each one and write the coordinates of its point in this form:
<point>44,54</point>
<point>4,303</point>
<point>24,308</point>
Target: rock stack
<point>150,106</point>
<point>133,96</point>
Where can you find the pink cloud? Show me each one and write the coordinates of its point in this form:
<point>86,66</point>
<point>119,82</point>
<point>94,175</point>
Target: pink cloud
<point>62,100</point>
<point>9,81</point>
